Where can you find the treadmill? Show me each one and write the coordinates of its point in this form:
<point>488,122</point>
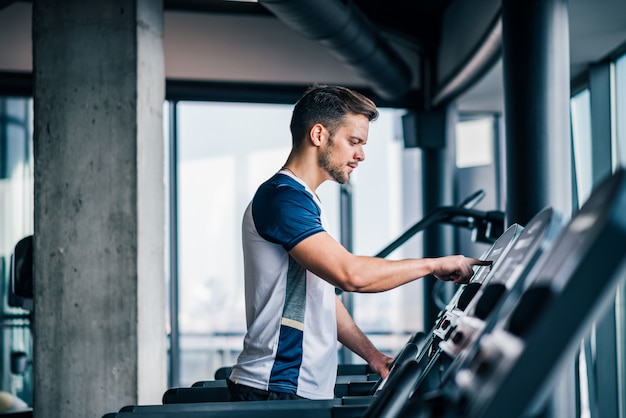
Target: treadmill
<point>481,311</point>
<point>514,362</point>
<point>514,255</point>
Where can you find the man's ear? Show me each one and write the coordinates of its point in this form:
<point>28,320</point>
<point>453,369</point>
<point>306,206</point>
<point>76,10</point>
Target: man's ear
<point>317,134</point>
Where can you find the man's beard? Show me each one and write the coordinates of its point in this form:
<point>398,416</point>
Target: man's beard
<point>336,171</point>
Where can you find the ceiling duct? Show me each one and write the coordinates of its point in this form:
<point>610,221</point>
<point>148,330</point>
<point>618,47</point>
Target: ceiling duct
<point>480,60</point>
<point>350,37</point>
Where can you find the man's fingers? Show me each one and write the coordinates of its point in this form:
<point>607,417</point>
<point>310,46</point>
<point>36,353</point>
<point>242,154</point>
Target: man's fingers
<point>463,271</point>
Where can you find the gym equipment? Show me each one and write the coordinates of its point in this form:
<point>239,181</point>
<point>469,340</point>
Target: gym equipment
<point>514,362</point>
<point>458,329</point>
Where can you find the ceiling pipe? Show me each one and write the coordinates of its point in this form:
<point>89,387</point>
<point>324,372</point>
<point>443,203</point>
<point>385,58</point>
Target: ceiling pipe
<point>6,3</point>
<point>478,63</point>
<point>351,38</point>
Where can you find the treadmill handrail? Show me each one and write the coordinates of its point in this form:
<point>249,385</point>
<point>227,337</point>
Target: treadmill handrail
<point>454,215</point>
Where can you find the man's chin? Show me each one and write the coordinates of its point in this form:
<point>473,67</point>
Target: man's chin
<point>339,177</point>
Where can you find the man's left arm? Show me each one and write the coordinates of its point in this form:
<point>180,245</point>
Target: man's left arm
<point>352,337</point>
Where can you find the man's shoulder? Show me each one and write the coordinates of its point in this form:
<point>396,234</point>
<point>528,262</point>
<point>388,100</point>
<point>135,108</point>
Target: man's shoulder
<point>284,212</point>
<point>281,188</point>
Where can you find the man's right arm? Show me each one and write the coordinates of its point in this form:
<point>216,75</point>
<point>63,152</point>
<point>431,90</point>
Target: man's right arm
<point>324,256</point>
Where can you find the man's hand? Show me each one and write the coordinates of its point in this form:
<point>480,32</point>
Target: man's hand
<point>380,364</point>
<point>456,268</point>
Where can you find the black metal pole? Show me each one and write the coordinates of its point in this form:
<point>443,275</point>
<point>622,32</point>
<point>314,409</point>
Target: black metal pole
<point>535,54</point>
<point>436,239</point>
<point>345,211</point>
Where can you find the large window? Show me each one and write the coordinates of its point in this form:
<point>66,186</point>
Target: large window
<point>225,152</point>
<point>581,141</point>
<point>620,111</point>
<point>619,140</point>
<point>16,222</point>
<point>602,357</point>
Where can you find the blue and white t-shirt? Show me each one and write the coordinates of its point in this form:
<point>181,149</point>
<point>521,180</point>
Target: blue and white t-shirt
<point>291,342</point>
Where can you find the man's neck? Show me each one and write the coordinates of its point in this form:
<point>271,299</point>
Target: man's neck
<point>308,173</point>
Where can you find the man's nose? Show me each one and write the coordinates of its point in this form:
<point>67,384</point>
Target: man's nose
<point>360,154</point>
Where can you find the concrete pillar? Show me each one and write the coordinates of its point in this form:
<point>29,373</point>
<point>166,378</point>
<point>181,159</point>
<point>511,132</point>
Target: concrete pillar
<point>99,329</point>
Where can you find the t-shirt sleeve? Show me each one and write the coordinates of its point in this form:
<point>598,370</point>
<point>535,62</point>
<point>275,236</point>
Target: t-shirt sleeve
<point>286,216</point>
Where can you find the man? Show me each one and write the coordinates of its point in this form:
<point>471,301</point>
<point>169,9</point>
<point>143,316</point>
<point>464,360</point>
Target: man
<point>292,265</point>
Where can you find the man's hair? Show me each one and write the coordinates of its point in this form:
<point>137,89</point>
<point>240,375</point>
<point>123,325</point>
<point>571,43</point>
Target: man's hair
<point>327,105</point>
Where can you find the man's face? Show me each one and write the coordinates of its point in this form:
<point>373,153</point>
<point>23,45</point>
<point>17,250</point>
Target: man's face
<point>343,151</point>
